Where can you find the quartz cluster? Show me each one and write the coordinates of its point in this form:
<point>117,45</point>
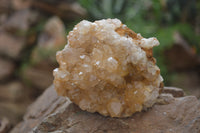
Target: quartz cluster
<point>108,68</point>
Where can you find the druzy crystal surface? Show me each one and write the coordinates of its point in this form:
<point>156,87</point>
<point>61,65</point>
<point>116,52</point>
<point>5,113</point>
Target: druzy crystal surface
<point>108,68</point>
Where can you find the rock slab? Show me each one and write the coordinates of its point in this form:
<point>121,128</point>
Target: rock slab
<point>51,113</point>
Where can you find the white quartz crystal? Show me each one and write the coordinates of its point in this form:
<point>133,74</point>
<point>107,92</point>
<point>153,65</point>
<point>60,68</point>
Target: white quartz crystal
<point>108,68</point>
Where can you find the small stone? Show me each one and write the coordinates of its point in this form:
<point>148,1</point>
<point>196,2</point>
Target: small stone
<point>4,125</point>
<point>185,59</point>
<point>20,21</point>
<point>34,74</point>
<point>12,92</point>
<point>176,92</point>
<point>65,9</point>
<point>5,6</point>
<point>3,18</point>
<point>121,76</point>
<point>165,98</point>
<point>6,68</point>
<point>21,4</point>
<point>14,99</point>
<point>11,46</point>
<point>51,39</point>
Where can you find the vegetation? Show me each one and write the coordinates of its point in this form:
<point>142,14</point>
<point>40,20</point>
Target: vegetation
<point>159,18</point>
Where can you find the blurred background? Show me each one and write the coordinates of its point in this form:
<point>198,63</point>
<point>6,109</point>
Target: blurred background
<point>31,31</point>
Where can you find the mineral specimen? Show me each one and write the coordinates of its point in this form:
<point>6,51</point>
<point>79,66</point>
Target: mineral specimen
<point>108,68</point>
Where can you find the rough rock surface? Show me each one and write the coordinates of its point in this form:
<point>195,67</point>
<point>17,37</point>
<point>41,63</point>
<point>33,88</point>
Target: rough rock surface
<point>46,104</point>
<point>51,113</point>
<point>108,68</point>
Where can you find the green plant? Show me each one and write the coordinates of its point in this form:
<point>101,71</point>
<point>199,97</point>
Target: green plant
<point>159,18</point>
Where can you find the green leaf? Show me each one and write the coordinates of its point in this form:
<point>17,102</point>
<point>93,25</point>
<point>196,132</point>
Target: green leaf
<point>106,6</point>
<point>118,6</point>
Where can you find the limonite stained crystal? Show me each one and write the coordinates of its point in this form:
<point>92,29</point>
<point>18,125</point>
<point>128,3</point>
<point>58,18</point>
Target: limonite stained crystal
<point>108,68</point>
